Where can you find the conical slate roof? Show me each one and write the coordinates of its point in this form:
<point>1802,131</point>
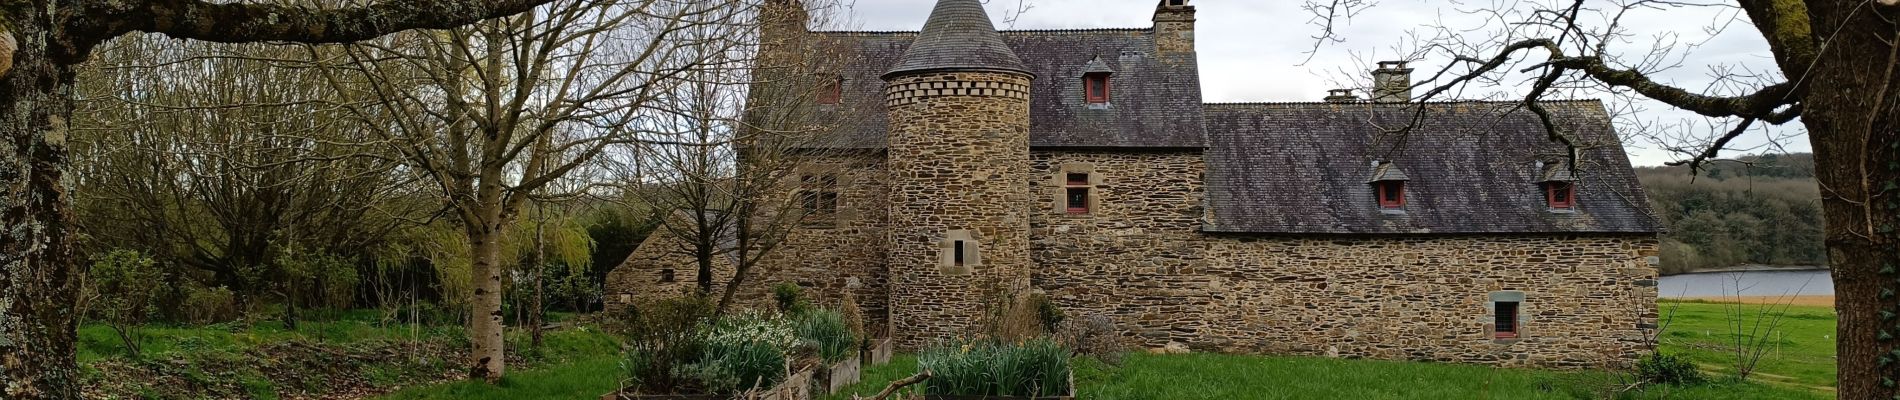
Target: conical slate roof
<point>959,36</point>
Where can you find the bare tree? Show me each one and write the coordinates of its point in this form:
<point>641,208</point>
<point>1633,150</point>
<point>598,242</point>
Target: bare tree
<point>45,43</point>
<point>1836,76</point>
<point>738,156</point>
<point>492,113</point>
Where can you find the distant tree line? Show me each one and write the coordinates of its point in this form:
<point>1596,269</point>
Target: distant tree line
<point>1752,210</point>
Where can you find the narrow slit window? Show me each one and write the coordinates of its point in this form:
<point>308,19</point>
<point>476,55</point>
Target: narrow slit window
<point>1391,194</point>
<point>1097,87</point>
<point>959,258</point>
<point>1560,195</point>
<point>1506,323</point>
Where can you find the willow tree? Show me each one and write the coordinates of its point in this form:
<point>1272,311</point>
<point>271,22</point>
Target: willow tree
<point>209,156</point>
<point>42,43</point>
<point>490,114</point>
<point>1837,75</point>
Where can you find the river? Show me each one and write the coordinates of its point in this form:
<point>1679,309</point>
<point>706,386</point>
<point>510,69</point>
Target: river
<point>1752,283</point>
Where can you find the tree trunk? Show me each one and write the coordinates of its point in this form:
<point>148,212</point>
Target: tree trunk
<point>38,275</point>
<point>485,324</point>
<point>539,264</point>
<point>1854,124</point>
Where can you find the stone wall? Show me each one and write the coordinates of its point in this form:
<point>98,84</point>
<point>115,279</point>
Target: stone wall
<point>958,157</point>
<point>1139,260</point>
<point>826,254</point>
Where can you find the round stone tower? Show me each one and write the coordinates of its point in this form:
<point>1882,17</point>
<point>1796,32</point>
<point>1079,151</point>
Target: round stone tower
<point>959,176</point>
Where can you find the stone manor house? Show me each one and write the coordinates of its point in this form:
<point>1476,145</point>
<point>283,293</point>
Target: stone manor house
<point>1084,165</point>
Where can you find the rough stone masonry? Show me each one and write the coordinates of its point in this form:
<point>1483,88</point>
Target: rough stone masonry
<point>1082,164</point>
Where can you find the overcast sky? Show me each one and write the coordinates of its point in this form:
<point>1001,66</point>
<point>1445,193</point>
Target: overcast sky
<point>1252,50</point>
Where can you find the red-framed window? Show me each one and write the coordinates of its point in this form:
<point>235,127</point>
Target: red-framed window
<point>1505,325</point>
<point>832,92</point>
<point>1391,194</point>
<point>1096,85</point>
<point>1560,195</point>
<point>1076,193</point>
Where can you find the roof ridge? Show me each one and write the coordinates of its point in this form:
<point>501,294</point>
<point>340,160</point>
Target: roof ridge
<point>1005,32</point>
<point>1363,103</point>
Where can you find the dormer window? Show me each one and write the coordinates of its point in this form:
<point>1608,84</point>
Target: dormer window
<point>1388,184</point>
<point>1097,86</point>
<point>832,92</point>
<point>1560,195</point>
<point>1391,194</point>
<point>1559,185</point>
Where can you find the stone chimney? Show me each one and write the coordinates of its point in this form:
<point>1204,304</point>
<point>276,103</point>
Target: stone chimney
<point>1341,96</point>
<point>1174,27</point>
<point>1392,82</point>
<point>783,20</point>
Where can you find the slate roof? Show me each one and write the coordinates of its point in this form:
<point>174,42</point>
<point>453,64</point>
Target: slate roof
<point>958,36</point>
<point>1472,168</point>
<point>1155,99</point>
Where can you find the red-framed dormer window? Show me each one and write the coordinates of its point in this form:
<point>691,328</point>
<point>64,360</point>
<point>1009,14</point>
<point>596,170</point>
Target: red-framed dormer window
<point>832,92</point>
<point>1096,85</point>
<point>1505,324</point>
<point>1391,194</point>
<point>1560,195</point>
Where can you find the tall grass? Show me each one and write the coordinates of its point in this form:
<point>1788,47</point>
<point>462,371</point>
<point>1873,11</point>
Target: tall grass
<point>829,332</point>
<point>1036,367</point>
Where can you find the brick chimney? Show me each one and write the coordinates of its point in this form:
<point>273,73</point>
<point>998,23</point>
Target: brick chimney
<point>1174,27</point>
<point>1392,82</point>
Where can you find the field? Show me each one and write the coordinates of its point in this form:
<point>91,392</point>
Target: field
<point>1799,353</point>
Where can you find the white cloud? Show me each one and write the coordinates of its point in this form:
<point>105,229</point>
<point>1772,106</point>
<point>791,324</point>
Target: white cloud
<point>1252,50</point>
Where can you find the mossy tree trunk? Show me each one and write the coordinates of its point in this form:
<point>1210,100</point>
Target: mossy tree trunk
<point>1852,102</point>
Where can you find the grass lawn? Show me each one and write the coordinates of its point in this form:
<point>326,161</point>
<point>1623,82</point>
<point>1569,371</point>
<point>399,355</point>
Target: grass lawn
<point>1801,366</point>
<point>587,378</point>
<point>97,341</point>
<point>1219,376</point>
<point>1801,351</point>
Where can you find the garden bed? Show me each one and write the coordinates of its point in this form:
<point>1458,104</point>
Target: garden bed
<point>837,376</point>
<point>796,386</point>
<point>880,353</point>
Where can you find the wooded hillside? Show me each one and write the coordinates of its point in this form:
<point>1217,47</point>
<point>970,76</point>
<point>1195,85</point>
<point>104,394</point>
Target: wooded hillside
<point>1751,210</point>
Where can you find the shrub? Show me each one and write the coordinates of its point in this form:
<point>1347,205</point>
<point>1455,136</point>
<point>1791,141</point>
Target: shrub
<point>665,337</point>
<point>1659,368</point>
<point>1047,312</point>
<point>1015,318</point>
<point>1037,367</point>
<point>790,297</point>
<point>743,352</point>
<point>209,306</point>
<point>125,288</point>
<point>829,333</point>
<point>1093,336</point>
